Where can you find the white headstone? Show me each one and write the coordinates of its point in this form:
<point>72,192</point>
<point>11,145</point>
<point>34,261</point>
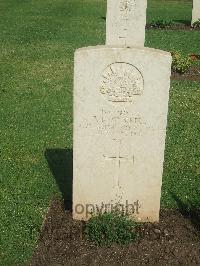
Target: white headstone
<point>196,11</point>
<point>120,118</point>
<point>125,23</point>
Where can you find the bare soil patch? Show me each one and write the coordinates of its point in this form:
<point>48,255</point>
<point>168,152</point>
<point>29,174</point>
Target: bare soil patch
<point>192,74</point>
<point>175,240</point>
<point>173,27</point>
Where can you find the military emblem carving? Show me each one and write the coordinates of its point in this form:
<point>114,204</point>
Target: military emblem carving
<point>127,5</point>
<point>121,82</point>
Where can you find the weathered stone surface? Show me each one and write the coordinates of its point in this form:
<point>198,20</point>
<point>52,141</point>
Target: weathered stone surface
<point>196,11</point>
<point>125,24</point>
<point>120,117</point>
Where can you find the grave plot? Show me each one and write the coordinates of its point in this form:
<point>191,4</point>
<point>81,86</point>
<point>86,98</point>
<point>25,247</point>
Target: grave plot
<point>120,117</point>
<point>36,157</point>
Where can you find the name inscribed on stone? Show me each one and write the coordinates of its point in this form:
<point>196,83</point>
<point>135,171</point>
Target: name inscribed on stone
<point>121,82</point>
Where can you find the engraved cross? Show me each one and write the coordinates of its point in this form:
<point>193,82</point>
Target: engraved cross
<point>119,159</point>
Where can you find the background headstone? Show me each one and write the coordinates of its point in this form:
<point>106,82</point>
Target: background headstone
<point>196,11</point>
<point>120,117</point>
<point>125,23</point>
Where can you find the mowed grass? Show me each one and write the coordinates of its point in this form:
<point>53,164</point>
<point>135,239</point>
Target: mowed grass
<point>38,40</point>
<point>177,10</point>
<point>180,12</point>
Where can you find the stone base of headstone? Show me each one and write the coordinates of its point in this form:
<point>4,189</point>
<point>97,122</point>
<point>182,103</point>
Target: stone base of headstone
<point>120,118</point>
<point>196,11</point>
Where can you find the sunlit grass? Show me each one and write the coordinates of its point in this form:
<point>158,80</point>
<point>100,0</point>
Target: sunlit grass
<point>38,40</point>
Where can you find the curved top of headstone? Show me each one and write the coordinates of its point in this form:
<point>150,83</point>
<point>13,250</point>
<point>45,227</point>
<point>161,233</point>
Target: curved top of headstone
<point>118,47</point>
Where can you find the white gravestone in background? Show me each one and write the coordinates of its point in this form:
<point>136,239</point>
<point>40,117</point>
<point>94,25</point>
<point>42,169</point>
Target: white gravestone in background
<point>125,24</point>
<point>120,117</point>
<point>196,11</point>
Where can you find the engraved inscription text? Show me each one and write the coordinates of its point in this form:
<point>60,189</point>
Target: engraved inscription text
<point>125,7</point>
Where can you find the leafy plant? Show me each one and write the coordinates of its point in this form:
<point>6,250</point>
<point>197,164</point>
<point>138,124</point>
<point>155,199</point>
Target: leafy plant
<point>112,227</point>
<point>196,24</point>
<point>180,62</point>
<point>161,23</point>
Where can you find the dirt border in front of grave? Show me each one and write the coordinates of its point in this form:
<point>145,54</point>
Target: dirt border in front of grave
<point>175,240</point>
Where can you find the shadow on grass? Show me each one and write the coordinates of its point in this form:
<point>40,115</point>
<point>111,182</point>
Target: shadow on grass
<point>60,162</point>
<point>189,211</point>
<point>185,22</point>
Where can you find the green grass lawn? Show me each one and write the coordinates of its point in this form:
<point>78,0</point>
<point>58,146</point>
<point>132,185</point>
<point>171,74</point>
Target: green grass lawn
<point>38,40</point>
